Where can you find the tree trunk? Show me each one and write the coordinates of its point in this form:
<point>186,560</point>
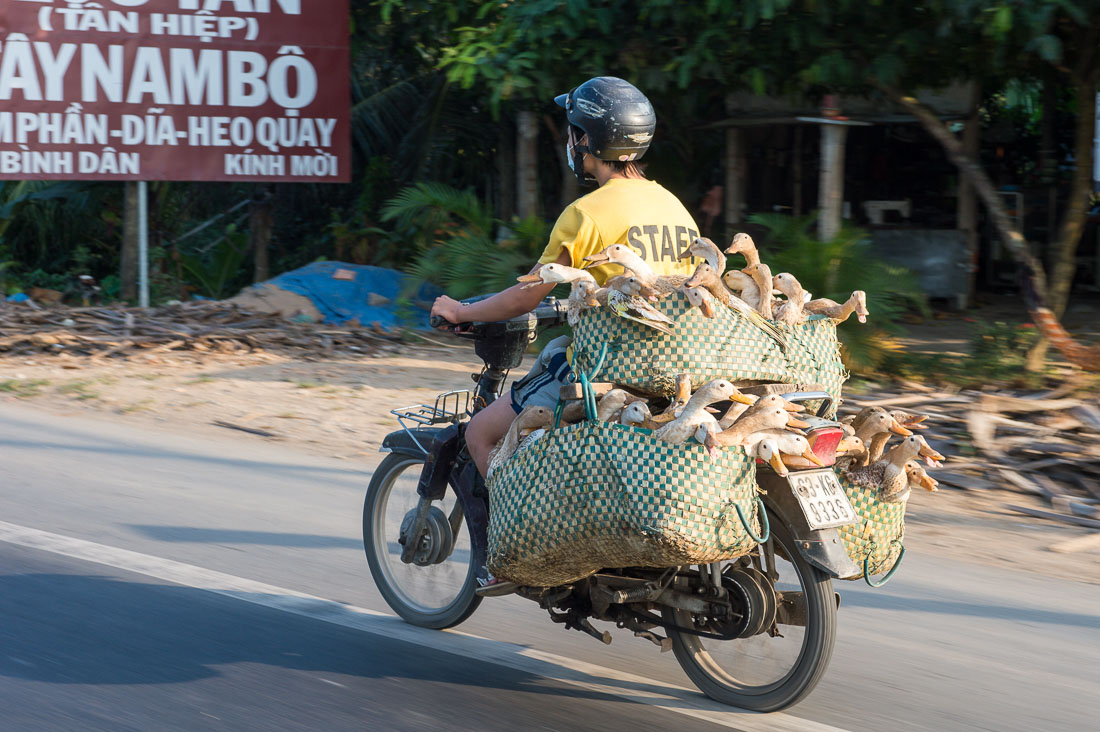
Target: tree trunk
<point>506,172</point>
<point>261,221</point>
<point>527,179</point>
<point>569,180</point>
<point>830,197</point>
<point>736,176</point>
<point>1073,221</point>
<point>967,210</point>
<point>128,260</point>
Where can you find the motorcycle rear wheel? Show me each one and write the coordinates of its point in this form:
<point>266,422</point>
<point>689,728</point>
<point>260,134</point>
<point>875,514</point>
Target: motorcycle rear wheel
<point>439,595</point>
<point>724,670</point>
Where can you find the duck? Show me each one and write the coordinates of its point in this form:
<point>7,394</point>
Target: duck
<point>740,406</point>
<point>694,412</point>
<point>581,294</point>
<point>743,244</point>
<point>875,430</point>
<point>918,476</point>
<point>887,475</point>
<point>706,276</point>
<point>791,311</point>
<point>755,420</point>
<point>697,297</point>
<point>909,420</point>
<point>706,250</point>
<point>624,298</point>
<point>856,303</point>
<point>850,451</point>
<point>530,419</point>
<point>625,257</point>
<point>767,450</point>
<point>789,443</point>
<point>762,275</point>
<point>636,414</point>
<point>705,434</point>
<point>743,286</point>
<point>612,403</point>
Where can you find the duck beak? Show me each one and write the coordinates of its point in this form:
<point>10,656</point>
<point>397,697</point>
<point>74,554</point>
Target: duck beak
<point>693,282</point>
<point>707,309</point>
<point>777,464</point>
<point>595,259</point>
<point>592,302</point>
<point>531,280</point>
<point>685,254</point>
<point>792,407</point>
<point>897,429</point>
<point>742,398</point>
<point>793,421</point>
<point>813,458</point>
<point>930,455</point>
<point>928,483</point>
<point>915,423</point>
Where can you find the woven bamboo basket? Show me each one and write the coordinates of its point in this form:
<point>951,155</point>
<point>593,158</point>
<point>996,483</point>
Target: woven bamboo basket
<point>875,541</point>
<point>727,346</point>
<point>595,495</point>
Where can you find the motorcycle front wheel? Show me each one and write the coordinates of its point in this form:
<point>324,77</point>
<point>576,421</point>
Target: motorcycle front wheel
<point>438,590</point>
<point>767,671</point>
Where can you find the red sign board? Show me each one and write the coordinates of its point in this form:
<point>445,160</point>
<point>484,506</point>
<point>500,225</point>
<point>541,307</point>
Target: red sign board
<point>202,90</point>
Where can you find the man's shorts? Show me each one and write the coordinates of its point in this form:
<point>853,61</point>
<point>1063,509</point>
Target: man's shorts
<point>542,385</point>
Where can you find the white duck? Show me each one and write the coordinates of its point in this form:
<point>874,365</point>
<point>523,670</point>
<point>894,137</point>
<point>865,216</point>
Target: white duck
<point>624,256</point>
<point>581,295</point>
<point>791,311</point>
<point>743,286</point>
<point>706,250</point>
<point>743,244</point>
<point>695,412</point>
<point>840,312</point>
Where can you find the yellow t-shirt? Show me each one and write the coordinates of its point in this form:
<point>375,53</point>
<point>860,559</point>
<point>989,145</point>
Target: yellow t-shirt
<point>638,213</point>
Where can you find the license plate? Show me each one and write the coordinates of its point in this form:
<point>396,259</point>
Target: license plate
<point>822,499</point>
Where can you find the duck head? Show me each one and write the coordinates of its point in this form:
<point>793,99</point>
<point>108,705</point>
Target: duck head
<point>635,413</point>
<point>851,446</point>
<point>788,285</point>
<point>768,451</point>
<point>704,248</point>
<point>741,243</point>
<point>911,447</point>
<point>704,274</point>
<point>860,298</point>
<point>737,280</point>
<point>586,290</point>
<point>698,298</point>
<point>555,273</point>
<point>917,476</point>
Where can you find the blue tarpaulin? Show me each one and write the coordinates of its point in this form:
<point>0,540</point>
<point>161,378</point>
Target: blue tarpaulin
<point>369,296</point>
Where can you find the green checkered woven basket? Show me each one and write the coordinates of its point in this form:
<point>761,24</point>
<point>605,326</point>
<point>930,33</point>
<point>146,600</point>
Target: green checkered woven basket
<point>727,346</point>
<point>594,495</point>
<point>878,533</point>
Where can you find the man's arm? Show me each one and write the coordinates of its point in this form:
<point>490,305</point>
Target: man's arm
<point>501,306</point>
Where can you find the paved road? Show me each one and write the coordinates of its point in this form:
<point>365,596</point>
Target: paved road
<point>156,581</point>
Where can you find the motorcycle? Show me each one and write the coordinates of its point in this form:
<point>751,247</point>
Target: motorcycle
<point>756,632</point>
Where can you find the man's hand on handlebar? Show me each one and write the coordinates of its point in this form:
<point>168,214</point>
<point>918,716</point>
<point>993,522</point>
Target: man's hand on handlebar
<point>446,308</point>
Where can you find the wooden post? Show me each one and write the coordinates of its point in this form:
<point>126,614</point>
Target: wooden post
<point>260,224</point>
<point>831,186</point>
<point>967,209</point>
<point>128,261</point>
<point>736,174</point>
<point>527,180</point>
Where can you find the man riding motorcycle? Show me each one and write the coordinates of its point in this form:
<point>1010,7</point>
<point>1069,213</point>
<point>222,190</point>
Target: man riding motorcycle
<point>611,125</point>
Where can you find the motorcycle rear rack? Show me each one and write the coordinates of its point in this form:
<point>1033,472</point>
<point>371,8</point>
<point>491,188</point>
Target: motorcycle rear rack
<point>450,406</point>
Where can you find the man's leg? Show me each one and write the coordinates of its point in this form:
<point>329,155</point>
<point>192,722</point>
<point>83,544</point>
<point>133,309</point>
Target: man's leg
<point>487,428</point>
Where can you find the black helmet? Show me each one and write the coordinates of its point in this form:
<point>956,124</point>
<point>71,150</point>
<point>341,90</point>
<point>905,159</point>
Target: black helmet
<point>618,118</point>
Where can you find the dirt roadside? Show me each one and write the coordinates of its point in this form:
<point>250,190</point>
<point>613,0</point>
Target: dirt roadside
<point>340,409</point>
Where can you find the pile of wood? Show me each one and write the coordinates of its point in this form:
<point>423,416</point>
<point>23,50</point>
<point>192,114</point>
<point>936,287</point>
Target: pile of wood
<point>210,327</point>
<point>1045,445</point>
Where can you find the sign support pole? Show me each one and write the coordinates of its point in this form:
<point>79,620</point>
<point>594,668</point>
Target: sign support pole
<point>143,244</point>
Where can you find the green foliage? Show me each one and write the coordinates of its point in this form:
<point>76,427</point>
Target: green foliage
<point>217,271</point>
<point>833,269</point>
<point>453,232</point>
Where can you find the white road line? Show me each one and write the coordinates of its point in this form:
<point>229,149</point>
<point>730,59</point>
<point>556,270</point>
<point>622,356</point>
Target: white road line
<point>550,666</point>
